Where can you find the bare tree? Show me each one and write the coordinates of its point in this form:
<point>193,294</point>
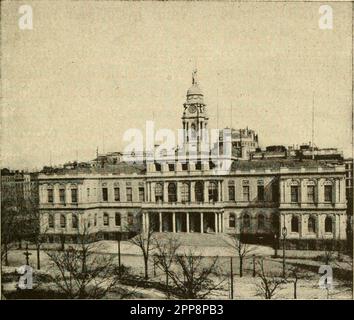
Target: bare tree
<point>328,254</point>
<point>243,250</point>
<point>192,276</point>
<point>269,283</point>
<point>144,240</point>
<point>82,273</point>
<point>295,271</point>
<point>8,229</point>
<point>34,226</point>
<point>166,250</point>
<point>12,203</point>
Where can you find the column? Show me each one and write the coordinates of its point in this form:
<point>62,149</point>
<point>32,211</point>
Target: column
<point>148,192</point>
<point>187,221</point>
<point>147,222</point>
<point>319,225</point>
<point>174,222</point>
<point>216,222</point>
<point>342,198</point>
<point>303,194</point>
<point>160,221</point>
<point>206,196</point>
<point>144,222</point>
<point>336,229</point>
<point>220,222</point>
<point>178,190</point>
<point>192,191</point>
<point>152,191</point>
<point>219,191</point>
<point>337,193</point>
<point>201,223</point>
<point>165,191</point>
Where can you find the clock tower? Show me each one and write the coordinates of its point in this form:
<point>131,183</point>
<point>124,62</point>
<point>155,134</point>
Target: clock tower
<point>195,118</point>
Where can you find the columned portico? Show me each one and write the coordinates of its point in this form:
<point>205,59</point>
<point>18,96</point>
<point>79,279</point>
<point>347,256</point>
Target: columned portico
<point>184,221</point>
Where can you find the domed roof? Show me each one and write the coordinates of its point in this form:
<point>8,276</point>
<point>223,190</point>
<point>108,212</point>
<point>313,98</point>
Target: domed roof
<point>194,90</point>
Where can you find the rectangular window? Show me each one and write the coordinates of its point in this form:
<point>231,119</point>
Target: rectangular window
<point>246,193</point>
<point>116,194</point>
<point>260,193</point>
<point>50,195</point>
<point>198,165</point>
<point>328,193</point>
<point>73,195</point>
<point>311,194</point>
<point>129,195</point>
<point>231,193</point>
<point>104,194</point>
<point>171,167</point>
<point>294,194</point>
<point>141,194</point>
<point>184,166</point>
<point>88,193</point>
<point>62,195</point>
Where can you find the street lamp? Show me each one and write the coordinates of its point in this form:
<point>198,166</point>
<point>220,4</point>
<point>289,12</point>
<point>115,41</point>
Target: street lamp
<point>27,255</point>
<point>119,238</point>
<point>284,233</point>
<point>275,245</point>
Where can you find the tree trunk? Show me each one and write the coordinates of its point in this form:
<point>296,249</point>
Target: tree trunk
<point>6,255</point>
<point>38,258</point>
<point>167,289</point>
<point>146,268</point>
<point>241,266</point>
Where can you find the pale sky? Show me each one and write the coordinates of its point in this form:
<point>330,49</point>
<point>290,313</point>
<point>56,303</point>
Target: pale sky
<point>90,70</point>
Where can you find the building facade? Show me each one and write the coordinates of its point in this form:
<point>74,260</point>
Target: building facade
<point>255,199</point>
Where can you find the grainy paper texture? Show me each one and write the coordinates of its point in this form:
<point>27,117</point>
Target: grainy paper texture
<point>140,140</point>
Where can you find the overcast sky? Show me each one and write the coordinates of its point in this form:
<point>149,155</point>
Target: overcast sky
<point>90,70</point>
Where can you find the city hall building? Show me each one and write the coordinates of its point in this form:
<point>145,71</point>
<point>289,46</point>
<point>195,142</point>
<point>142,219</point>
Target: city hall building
<point>256,198</point>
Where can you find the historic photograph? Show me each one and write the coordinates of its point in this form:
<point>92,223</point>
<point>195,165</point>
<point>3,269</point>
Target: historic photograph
<point>176,150</point>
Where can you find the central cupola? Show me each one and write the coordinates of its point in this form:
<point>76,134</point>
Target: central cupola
<point>195,118</point>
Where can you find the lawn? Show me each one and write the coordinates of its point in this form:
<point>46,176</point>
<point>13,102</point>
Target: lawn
<point>244,288</point>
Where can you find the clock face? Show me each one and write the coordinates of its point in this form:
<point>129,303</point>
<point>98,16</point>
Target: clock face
<point>192,109</point>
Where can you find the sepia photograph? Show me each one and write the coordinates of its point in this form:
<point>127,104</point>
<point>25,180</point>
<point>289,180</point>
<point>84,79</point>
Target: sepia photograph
<point>176,150</point>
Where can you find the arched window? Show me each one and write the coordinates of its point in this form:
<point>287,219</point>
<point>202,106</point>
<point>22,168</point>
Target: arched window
<point>51,220</point>
<point>62,221</point>
<point>311,225</point>
<point>213,192</point>
<point>158,192</point>
<point>172,192</point>
<point>232,220</point>
<point>74,221</point>
<point>261,219</point>
<point>294,224</point>
<point>117,219</point>
<point>328,225</point>
<point>199,192</point>
<point>246,220</point>
<point>185,192</point>
<point>105,219</point>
